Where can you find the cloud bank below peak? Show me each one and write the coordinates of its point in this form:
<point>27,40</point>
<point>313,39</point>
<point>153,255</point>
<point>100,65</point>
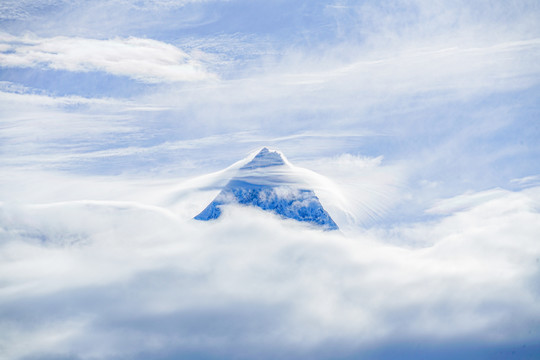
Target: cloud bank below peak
<point>158,286</point>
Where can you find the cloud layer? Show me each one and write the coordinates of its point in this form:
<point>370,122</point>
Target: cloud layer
<point>144,60</point>
<point>141,282</point>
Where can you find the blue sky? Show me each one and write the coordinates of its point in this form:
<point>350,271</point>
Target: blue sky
<point>425,113</point>
<point>451,87</point>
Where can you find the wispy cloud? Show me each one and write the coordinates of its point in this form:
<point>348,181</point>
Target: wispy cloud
<point>26,9</point>
<point>532,180</point>
<point>144,60</point>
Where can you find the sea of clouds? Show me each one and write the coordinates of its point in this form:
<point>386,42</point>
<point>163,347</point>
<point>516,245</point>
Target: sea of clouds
<point>104,279</point>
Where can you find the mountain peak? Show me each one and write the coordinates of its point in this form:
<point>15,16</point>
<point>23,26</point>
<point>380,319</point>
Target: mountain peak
<point>265,158</point>
<point>272,187</point>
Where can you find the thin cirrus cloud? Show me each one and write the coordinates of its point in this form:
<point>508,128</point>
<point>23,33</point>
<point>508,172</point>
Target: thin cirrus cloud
<point>145,60</point>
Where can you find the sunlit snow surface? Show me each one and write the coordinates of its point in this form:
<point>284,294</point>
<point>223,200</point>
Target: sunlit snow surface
<point>269,182</point>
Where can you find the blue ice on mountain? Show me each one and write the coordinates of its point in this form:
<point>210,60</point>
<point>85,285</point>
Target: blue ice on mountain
<point>264,158</point>
<point>263,183</point>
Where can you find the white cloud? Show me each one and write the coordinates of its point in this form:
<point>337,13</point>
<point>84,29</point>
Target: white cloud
<point>368,188</point>
<point>117,279</point>
<point>526,181</point>
<point>144,60</point>
<point>28,9</point>
<point>352,87</point>
<point>359,89</point>
<point>466,201</point>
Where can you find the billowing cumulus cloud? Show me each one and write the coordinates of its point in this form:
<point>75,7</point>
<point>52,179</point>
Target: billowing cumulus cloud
<point>117,279</point>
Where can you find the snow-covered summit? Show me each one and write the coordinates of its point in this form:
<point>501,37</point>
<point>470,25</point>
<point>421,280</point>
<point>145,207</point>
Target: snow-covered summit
<point>265,158</point>
<point>271,183</point>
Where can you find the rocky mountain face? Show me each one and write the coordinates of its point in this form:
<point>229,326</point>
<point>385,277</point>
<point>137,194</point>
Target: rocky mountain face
<point>266,182</point>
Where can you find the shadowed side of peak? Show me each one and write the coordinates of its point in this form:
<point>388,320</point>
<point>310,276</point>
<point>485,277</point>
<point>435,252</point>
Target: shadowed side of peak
<point>264,158</point>
<point>298,204</point>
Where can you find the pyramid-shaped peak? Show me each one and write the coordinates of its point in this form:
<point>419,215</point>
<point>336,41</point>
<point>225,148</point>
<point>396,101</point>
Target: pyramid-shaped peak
<point>271,189</point>
<point>265,158</point>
